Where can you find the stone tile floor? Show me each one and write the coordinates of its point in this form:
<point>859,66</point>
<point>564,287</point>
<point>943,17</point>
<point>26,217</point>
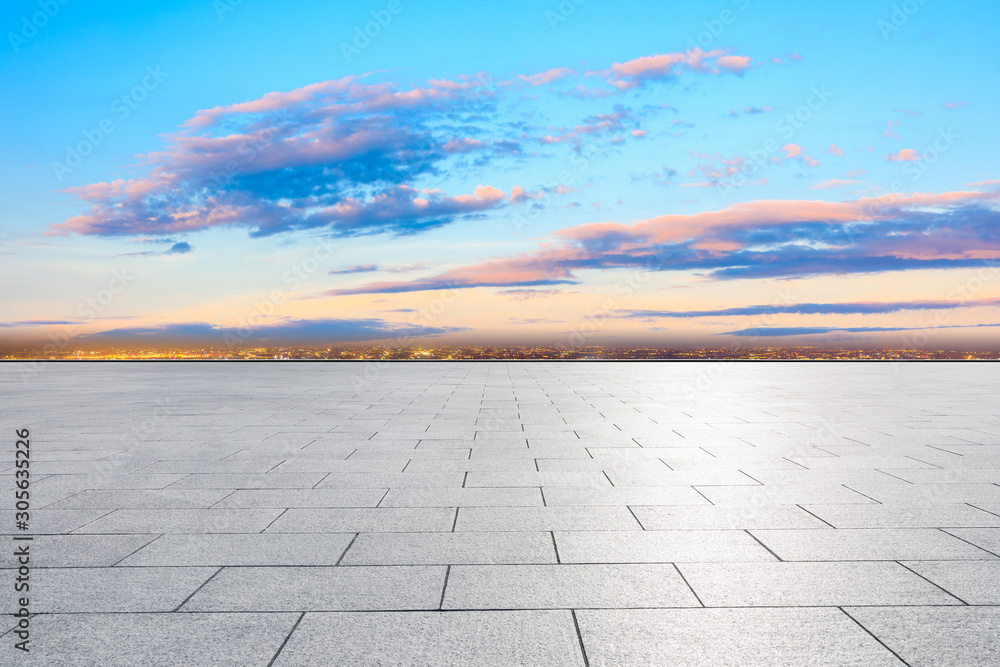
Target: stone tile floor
<point>507,513</point>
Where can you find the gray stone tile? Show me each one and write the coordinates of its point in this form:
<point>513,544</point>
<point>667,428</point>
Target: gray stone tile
<point>499,479</point>
<point>668,477</point>
<point>451,548</point>
<point>438,639</point>
<point>321,589</point>
<point>126,640</point>
<point>569,496</point>
<point>810,585</point>
<point>366,480</point>
<point>468,497</point>
<point>365,520</point>
<point>350,465</point>
<point>668,546</point>
<point>249,549</point>
<point>761,496</point>
<point>317,498</point>
<point>820,477</point>
<point>78,550</point>
<point>182,521</point>
<point>903,516</point>
<point>141,499</point>
<point>985,538</point>
<point>656,517</point>
<point>107,589</point>
<point>924,494</point>
<point>472,465</point>
<point>274,480</point>
<point>54,522</point>
<point>566,586</point>
<point>975,582</point>
<point>936,636</point>
<point>868,544</point>
<point>545,518</point>
<point>711,637</point>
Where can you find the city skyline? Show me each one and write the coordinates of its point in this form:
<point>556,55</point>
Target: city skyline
<point>561,177</point>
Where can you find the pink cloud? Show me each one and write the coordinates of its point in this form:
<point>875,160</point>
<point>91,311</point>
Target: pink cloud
<point>834,149</point>
<point>792,150</point>
<point>546,77</point>
<point>955,105</point>
<point>905,155</point>
<point>463,145</point>
<point>636,73</point>
<point>638,134</point>
<point>833,183</point>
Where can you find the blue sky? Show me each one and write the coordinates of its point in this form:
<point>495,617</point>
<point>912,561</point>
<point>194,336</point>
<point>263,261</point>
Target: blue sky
<point>531,171</point>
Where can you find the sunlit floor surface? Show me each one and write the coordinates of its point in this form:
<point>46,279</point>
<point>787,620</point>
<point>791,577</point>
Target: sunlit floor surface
<point>538,514</point>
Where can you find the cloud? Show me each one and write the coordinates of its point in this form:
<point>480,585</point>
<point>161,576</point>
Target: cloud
<point>343,156</point>
<point>833,183</point>
<point>546,77</point>
<point>760,239</point>
<point>834,149</point>
<point>664,67</point>
<point>856,308</point>
<point>180,248</point>
<point>298,331</point>
<point>792,150</point>
<point>768,332</point>
<point>955,105</point>
<point>750,111</point>
<point>522,294</point>
<point>370,268</point>
<point>360,268</point>
<point>905,155</point>
<point>35,323</point>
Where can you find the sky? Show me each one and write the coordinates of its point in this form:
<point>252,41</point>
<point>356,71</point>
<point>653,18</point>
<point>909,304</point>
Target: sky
<point>733,172</point>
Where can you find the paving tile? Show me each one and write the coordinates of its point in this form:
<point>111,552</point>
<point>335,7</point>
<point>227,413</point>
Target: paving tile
<point>300,480</point>
<point>936,636</point>
<point>566,586</point>
<point>668,546</point>
<point>126,640</point>
<point>183,521</point>
<point>761,496</point>
<point>903,516</point>
<point>810,585</point>
<point>545,518</point>
<point>249,549</point>
<point>365,520</point>
<point>321,589</point>
<point>924,494</point>
<point>451,548</point>
<point>568,496</point>
<point>468,497</point>
<point>54,522</point>
<point>711,637</point>
<point>472,465</point>
<point>975,582</point>
<point>668,477</point>
<point>365,480</point>
<point>77,550</point>
<point>106,589</point>
<point>984,538</point>
<point>438,639</point>
<point>658,517</point>
<point>285,498</point>
<point>498,479</point>
<point>141,499</point>
<point>868,544</point>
